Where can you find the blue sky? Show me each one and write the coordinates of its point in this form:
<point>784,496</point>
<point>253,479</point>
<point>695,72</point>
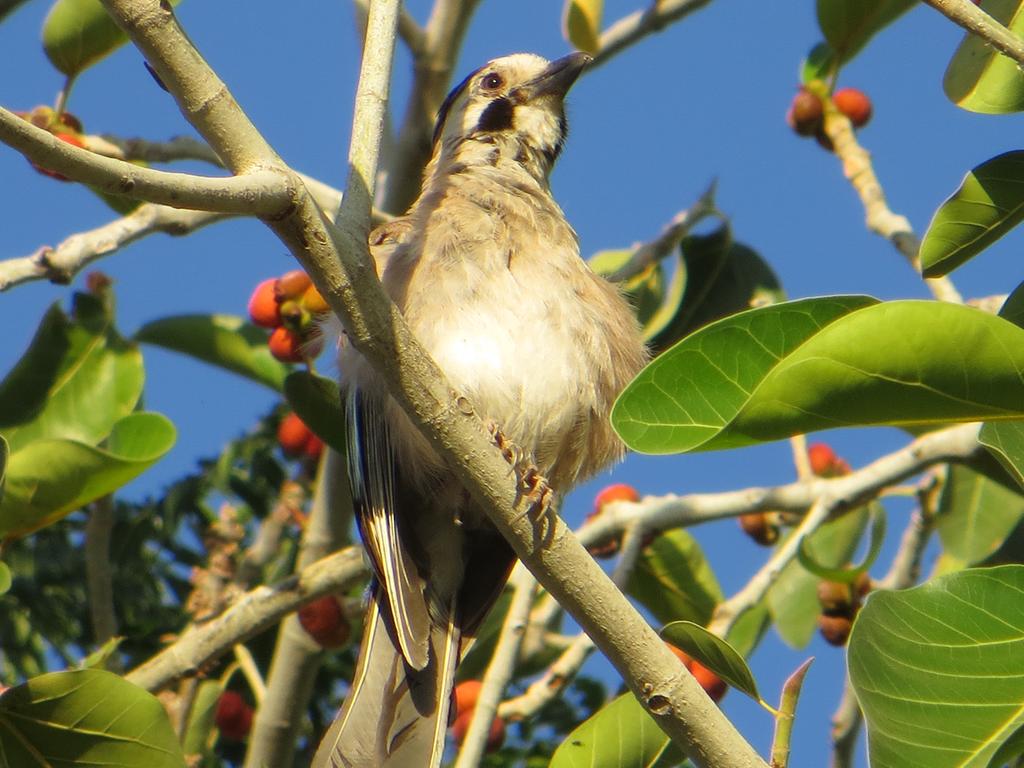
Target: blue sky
<point>703,100</point>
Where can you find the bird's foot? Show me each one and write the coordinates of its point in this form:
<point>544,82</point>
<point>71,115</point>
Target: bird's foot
<point>530,483</point>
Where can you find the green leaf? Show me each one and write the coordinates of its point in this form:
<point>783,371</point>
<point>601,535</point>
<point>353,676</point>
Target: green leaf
<point>849,573</point>
<point>5,452</point>
<point>937,669</point>
<point>820,64</point>
<point>979,78</point>
<point>976,515</point>
<point>78,33</point>
<point>222,340</point>
<point>793,598</point>
<point>673,580</point>
<point>822,363</point>
<point>581,24</point>
<point>1005,439</point>
<point>848,25</point>
<point>5,577</point>
<point>748,629</point>
<point>988,204</point>
<point>646,291</point>
<point>100,658</point>
<point>65,718</point>
<point>77,378</point>
<point>317,401</point>
<point>201,717</point>
<point>714,653</point>
<point>619,735</point>
<point>48,479</point>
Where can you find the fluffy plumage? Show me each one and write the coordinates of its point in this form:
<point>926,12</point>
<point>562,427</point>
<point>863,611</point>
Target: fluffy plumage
<point>488,274</point>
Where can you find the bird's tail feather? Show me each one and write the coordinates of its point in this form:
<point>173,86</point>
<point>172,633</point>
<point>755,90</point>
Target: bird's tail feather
<point>394,716</point>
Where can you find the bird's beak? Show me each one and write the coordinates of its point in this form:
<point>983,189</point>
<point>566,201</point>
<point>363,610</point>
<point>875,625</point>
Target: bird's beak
<point>556,79</point>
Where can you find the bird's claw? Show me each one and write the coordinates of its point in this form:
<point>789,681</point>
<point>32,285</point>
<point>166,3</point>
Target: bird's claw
<point>530,483</point>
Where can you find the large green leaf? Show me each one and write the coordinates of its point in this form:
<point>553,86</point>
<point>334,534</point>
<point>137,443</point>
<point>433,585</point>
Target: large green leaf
<point>793,598</point>
<point>938,671</point>
<point>619,735</point>
<point>77,378</point>
<point>988,204</point>
<point>85,717</point>
<point>848,25</point>
<point>222,340</point>
<point>48,479</point>
<point>673,580</point>
<point>976,515</point>
<point>822,363</point>
<point>981,79</point>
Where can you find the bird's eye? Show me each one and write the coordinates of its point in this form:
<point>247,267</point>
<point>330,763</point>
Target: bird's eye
<point>492,81</point>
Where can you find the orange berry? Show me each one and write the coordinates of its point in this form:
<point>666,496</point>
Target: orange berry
<point>293,435</point>
<point>495,738</point>
<point>233,717</point>
<point>291,285</point>
<point>325,622</point>
<point>314,302</point>
<point>805,111</point>
<point>285,346</point>
<point>854,104</point>
<point>615,492</point>
<point>835,598</point>
<point>824,461</point>
<point>758,527</point>
<point>466,694</point>
<point>263,307</point>
<point>713,685</point>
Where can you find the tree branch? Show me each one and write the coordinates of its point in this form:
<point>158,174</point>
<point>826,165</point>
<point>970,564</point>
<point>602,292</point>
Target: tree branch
<point>633,28</point>
<point>260,193</point>
<point>251,613</point>
<point>969,16</point>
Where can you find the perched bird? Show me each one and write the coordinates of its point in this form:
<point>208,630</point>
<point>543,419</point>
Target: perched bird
<point>488,274</point>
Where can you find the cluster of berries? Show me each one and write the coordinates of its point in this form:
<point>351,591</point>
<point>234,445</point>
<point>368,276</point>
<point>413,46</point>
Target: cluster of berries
<point>297,440</point>
<point>806,112</point>
<point>292,307</point>
<point>839,605</point>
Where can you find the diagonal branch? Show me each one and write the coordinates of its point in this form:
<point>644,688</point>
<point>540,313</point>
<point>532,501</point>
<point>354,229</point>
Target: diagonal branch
<point>972,18</point>
<point>633,28</point>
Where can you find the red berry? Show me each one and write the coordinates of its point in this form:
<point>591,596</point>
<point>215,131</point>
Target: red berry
<point>325,622</point>
<point>285,346</point>
<point>466,694</point>
<point>313,447</point>
<point>759,528</point>
<point>291,285</point>
<point>233,716</point>
<point>495,738</point>
<point>293,435</point>
<point>854,104</point>
<point>835,629</point>
<point>825,462</point>
<point>805,111</point>
<point>263,307</point>
<point>615,492</point>
<point>713,685</point>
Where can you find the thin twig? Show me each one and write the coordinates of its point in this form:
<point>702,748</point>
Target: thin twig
<point>972,18</point>
<point>633,28</point>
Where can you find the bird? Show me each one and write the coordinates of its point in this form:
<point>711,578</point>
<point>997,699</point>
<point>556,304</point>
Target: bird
<point>488,275</point>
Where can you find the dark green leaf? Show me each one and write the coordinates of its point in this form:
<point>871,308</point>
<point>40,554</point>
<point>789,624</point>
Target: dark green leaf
<point>77,378</point>
<point>1005,439</point>
<point>646,291</point>
<point>317,401</point>
<point>976,515</point>
<point>793,598</point>
<point>937,669</point>
<point>50,478</point>
<point>714,653</point>
<point>848,574</point>
<point>620,735</point>
<point>673,580</point>
<point>5,577</point>
<point>820,64</point>
<point>848,25</point>
<point>988,204</point>
<point>822,363</point>
<point>5,452</point>
<point>222,340</point>
<point>63,718</point>
<point>979,78</point>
